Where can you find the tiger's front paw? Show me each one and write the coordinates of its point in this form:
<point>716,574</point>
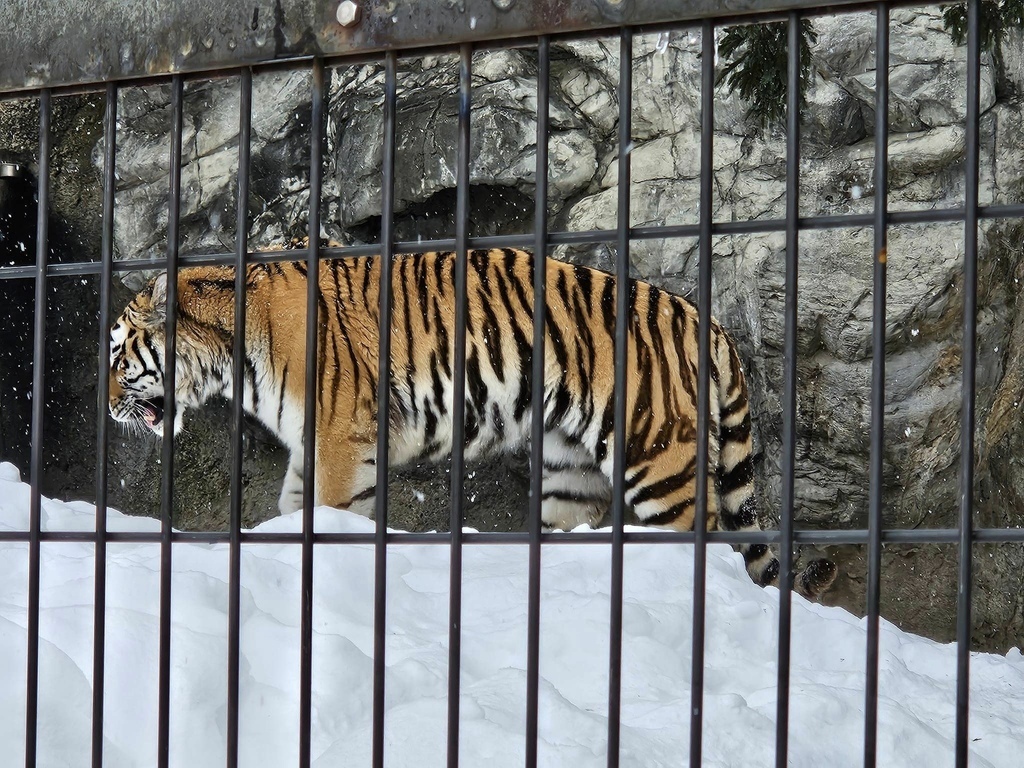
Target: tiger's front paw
<point>290,499</point>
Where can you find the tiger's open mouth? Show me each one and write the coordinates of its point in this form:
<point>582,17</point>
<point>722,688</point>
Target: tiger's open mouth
<point>152,412</point>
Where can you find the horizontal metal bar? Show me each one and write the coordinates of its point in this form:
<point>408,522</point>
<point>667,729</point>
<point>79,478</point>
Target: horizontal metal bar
<point>853,536</point>
<point>127,40</point>
<point>587,237</point>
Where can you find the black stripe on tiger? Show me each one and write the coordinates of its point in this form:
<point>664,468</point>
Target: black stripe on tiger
<point>671,514</point>
<point>492,342</point>
<point>367,274</point>
<point>420,271</point>
<point>740,519</point>
<point>740,475</point>
<point>436,386</point>
<point>443,349</point>
<point>364,495</point>
<point>429,421</point>
<point>637,477</point>
<point>666,486</point>
<point>524,348</point>
<point>439,280</point>
<point>730,410</point>
<point>340,320</point>
<point>605,432</point>
<point>410,366</point>
<point>583,281</point>
<point>218,285</point>
<point>280,401</point>
<point>608,305</point>
<point>154,354</point>
<point>584,365</point>
<point>578,498</point>
<point>737,434</point>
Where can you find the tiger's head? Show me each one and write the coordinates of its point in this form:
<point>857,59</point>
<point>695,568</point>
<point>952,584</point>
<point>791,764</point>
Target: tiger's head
<point>137,363</point>
<point>202,350</point>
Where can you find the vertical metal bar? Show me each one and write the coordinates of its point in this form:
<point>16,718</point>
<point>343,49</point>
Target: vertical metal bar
<point>167,452</point>
<point>387,251</point>
<point>966,521</point>
<point>38,412</point>
<point>877,380</point>
<point>707,137</point>
<point>237,404</point>
<point>313,299</point>
<point>540,253</point>
<point>459,405</point>
<point>789,390</point>
<point>622,314</point>
<point>102,406</point>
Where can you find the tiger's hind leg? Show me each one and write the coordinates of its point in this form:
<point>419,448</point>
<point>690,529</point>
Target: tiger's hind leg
<point>661,478</point>
<point>735,482</point>
<point>661,489</point>
<point>575,491</point>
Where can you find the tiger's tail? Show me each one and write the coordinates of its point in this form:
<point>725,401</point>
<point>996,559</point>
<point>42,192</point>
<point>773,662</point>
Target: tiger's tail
<point>735,480</point>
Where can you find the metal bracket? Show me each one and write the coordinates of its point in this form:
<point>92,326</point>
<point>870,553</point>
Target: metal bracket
<point>11,170</point>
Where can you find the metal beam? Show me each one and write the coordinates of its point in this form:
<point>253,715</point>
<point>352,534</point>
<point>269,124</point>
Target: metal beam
<point>57,44</point>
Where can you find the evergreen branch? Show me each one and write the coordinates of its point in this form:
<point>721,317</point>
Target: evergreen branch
<point>758,66</point>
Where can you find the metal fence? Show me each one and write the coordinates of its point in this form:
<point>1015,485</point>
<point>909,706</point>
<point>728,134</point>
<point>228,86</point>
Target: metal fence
<point>527,25</point>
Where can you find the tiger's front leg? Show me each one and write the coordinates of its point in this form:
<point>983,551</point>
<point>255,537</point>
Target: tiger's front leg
<point>575,492</point>
<point>291,489</point>
<point>343,484</point>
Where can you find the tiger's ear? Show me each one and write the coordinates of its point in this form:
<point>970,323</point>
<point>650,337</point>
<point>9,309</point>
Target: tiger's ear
<point>158,297</point>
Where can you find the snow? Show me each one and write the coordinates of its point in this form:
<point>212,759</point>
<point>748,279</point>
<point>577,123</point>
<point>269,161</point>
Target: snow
<point>917,676</point>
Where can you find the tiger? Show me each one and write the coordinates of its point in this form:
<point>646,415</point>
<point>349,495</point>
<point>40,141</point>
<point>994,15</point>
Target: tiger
<point>579,333</point>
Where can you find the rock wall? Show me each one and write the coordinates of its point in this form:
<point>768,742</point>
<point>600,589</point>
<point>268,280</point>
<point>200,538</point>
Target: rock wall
<point>925,262</point>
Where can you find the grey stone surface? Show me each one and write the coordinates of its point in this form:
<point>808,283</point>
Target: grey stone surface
<point>924,297</point>
<point>503,135</point>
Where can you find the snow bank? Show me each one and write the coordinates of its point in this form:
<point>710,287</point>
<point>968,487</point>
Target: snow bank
<point>916,717</point>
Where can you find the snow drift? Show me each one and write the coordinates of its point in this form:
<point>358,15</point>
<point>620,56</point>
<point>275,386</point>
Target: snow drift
<point>917,676</point>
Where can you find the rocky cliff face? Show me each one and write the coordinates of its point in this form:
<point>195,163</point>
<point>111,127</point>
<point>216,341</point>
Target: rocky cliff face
<point>924,297</point>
